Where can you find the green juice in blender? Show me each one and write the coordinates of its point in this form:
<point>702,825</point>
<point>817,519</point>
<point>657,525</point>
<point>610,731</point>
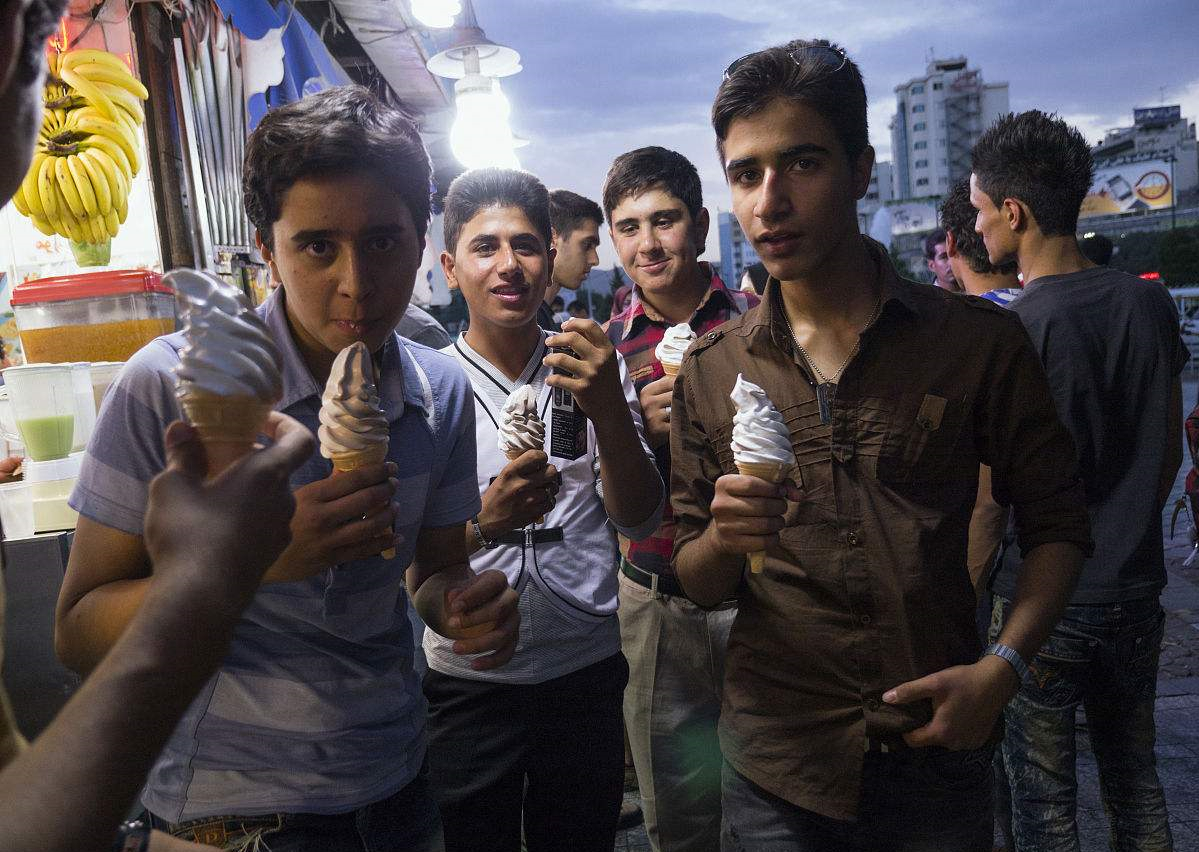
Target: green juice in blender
<point>47,437</point>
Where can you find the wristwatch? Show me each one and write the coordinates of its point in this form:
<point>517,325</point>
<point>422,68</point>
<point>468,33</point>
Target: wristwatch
<point>1012,657</point>
<point>484,542</point>
<point>132,836</point>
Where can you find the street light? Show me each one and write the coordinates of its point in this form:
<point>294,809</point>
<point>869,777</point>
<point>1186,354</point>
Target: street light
<point>437,14</point>
<point>481,135</point>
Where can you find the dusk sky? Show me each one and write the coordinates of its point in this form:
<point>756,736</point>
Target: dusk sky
<point>602,77</point>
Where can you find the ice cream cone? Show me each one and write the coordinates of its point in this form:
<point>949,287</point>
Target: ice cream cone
<point>670,369</point>
<point>228,425</point>
<point>775,473</point>
<point>513,455</point>
<point>345,462</point>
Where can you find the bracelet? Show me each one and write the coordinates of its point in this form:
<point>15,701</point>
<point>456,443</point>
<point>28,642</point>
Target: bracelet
<point>132,836</point>
<point>484,541</point>
<point>1013,659</point>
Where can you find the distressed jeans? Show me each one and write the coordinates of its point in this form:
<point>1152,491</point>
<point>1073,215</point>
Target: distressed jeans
<point>1105,658</point>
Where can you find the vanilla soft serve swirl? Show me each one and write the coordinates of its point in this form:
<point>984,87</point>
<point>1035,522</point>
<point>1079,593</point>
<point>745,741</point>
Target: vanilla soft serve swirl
<point>521,428</point>
<point>351,420</point>
<point>674,343</point>
<point>229,351</point>
<point>760,436</point>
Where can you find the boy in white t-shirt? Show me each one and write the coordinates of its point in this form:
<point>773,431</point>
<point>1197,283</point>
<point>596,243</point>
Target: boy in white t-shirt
<point>539,743</point>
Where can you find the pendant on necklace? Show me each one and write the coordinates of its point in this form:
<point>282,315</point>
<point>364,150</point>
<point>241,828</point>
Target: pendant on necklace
<point>824,398</point>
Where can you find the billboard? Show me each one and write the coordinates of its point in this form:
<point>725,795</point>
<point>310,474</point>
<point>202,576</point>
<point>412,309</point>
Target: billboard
<point>912,217</point>
<point>1158,114</point>
<point>1125,187</point>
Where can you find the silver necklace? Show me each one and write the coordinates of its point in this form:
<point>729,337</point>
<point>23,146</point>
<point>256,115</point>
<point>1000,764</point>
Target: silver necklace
<point>826,388</point>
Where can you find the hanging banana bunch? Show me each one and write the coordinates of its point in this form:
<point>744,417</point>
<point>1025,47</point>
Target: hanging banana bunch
<point>88,150</point>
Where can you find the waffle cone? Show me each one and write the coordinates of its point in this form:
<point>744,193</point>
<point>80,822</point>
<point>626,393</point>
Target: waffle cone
<point>670,369</point>
<point>345,462</point>
<point>228,425</point>
<point>771,472</point>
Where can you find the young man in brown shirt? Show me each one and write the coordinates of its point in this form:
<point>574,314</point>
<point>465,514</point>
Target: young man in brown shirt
<point>857,711</point>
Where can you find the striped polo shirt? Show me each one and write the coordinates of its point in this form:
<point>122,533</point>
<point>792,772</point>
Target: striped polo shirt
<point>636,332</point>
<point>316,709</point>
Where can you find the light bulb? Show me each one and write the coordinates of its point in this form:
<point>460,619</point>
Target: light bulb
<point>480,135</point>
<point>438,14</point>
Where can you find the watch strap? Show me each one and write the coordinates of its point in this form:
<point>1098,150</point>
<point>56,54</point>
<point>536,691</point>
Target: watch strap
<point>1013,658</point>
<point>484,541</point>
<point>132,836</point>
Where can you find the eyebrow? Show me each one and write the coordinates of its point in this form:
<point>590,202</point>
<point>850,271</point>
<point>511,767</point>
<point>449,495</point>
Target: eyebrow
<point>482,239</point>
<point>311,234</point>
<point>668,212</point>
<point>785,154</point>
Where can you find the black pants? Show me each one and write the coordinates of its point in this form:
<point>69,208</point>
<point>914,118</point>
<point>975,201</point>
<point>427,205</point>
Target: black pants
<point>550,755</point>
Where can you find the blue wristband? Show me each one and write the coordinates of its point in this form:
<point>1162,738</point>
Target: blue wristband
<point>1011,656</point>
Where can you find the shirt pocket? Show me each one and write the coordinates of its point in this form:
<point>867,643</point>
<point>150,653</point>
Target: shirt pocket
<point>923,448</point>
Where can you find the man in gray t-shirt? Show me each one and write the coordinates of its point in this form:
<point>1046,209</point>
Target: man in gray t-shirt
<point>1112,353</point>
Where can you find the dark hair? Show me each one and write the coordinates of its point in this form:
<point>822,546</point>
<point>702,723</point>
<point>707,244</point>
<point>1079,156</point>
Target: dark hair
<point>1036,158</point>
<point>931,241</point>
<point>557,303</point>
<point>569,210</point>
<point>637,171</point>
<point>478,188</point>
<point>1096,248</point>
<point>341,130</point>
<point>41,19</point>
<point>796,72</point>
<point>579,304</point>
<point>957,217</point>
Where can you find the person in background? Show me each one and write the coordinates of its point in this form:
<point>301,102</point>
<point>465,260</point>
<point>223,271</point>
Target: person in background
<point>657,222</point>
<point>558,308</point>
<point>1096,248</point>
<point>936,255</point>
<point>578,308</point>
<point>754,279</point>
<point>420,327</point>
<point>1111,347</point>
<point>967,254</point>
<point>860,710</point>
<point>537,747</point>
<point>575,221</point>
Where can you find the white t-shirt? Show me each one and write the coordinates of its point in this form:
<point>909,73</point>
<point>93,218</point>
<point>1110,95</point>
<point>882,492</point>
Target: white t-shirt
<point>568,588</point>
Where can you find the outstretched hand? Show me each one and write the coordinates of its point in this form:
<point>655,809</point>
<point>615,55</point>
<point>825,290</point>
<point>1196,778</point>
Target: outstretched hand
<point>967,700</point>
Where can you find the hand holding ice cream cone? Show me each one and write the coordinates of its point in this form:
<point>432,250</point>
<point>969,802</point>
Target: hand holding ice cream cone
<point>354,431</point>
<point>521,427</point>
<point>228,377</point>
<point>761,443</point>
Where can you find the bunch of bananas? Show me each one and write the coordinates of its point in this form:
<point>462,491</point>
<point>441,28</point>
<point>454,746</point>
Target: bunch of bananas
<point>88,150</point>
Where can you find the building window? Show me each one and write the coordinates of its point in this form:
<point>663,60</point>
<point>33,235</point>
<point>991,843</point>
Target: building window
<point>917,107</point>
<point>919,125</point>
<point>921,181</point>
<point>936,87</point>
<point>919,146</point>
<point>918,89</point>
<point>922,164</point>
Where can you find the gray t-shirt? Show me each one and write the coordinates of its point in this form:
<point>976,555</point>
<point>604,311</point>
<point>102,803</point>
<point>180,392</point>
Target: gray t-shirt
<point>420,327</point>
<point>1112,351</point>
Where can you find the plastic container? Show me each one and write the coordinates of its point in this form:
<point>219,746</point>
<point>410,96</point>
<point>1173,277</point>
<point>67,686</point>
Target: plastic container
<point>50,484</point>
<point>85,404</point>
<point>43,404</point>
<point>16,510</point>
<point>104,373</point>
<point>94,316</point>
<point>8,423</point>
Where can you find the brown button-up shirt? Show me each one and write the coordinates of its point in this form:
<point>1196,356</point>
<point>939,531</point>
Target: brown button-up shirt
<point>868,587</point>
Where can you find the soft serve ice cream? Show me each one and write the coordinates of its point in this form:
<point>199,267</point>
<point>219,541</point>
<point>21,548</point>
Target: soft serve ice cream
<point>228,374</point>
<point>521,429</point>
<point>354,429</point>
<point>761,441</point>
<point>671,348</point>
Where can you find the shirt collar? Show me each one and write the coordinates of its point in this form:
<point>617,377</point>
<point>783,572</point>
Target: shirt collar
<point>771,325</point>
<point>532,367</point>
<point>641,312</point>
<point>399,377</point>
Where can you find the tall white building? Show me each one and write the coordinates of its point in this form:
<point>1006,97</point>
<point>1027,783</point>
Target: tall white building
<point>880,192</point>
<point>736,251</point>
<point>938,118</point>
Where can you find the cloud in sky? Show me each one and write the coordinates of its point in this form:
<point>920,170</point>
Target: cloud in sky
<point>601,78</point>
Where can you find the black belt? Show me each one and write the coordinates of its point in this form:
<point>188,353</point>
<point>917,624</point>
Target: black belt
<point>528,538</point>
<point>655,582</point>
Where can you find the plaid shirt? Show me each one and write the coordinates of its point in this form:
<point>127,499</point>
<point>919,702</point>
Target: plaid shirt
<point>636,332</point>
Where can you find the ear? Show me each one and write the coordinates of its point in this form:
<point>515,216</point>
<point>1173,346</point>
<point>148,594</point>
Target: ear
<point>269,256</point>
<point>703,222</point>
<point>555,239</point>
<point>861,172</point>
<point>447,267</point>
<point>1016,214</point>
<point>951,245</point>
<point>12,39</point>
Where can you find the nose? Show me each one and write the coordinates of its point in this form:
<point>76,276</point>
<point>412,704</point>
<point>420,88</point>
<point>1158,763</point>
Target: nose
<point>773,201</point>
<point>592,258</point>
<point>352,280</point>
<point>505,261</point>
<point>649,244</point>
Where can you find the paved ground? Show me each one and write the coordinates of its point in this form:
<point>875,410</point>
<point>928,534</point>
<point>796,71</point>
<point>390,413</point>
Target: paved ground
<point>1177,697</point>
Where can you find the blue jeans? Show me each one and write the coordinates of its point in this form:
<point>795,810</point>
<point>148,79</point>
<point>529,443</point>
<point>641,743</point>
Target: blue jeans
<point>1104,658</point>
<point>405,822</point>
<point>914,800</point>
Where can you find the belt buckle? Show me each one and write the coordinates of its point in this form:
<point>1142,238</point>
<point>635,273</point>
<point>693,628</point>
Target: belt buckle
<point>529,540</point>
<point>653,585</point>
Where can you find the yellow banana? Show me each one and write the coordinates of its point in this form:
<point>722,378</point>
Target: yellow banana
<point>115,152</point>
<point>85,187</point>
<point>79,56</point>
<point>112,223</point>
<point>135,137</point>
<point>123,209</point>
<point>121,77</point>
<point>115,131</point>
<point>42,225</point>
<point>45,188</point>
<point>29,187</point>
<point>98,179</point>
<point>18,201</point>
<point>125,101</point>
<point>66,186</point>
<point>90,92</point>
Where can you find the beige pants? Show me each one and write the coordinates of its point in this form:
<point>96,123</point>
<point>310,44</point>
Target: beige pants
<point>671,705</point>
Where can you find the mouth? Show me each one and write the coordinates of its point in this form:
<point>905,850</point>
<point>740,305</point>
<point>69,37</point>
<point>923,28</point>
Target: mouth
<point>354,328</point>
<point>511,294</point>
<point>776,243</point>
<point>657,267</point>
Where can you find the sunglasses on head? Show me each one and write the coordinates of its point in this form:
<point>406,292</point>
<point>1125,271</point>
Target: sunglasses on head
<point>833,59</point>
